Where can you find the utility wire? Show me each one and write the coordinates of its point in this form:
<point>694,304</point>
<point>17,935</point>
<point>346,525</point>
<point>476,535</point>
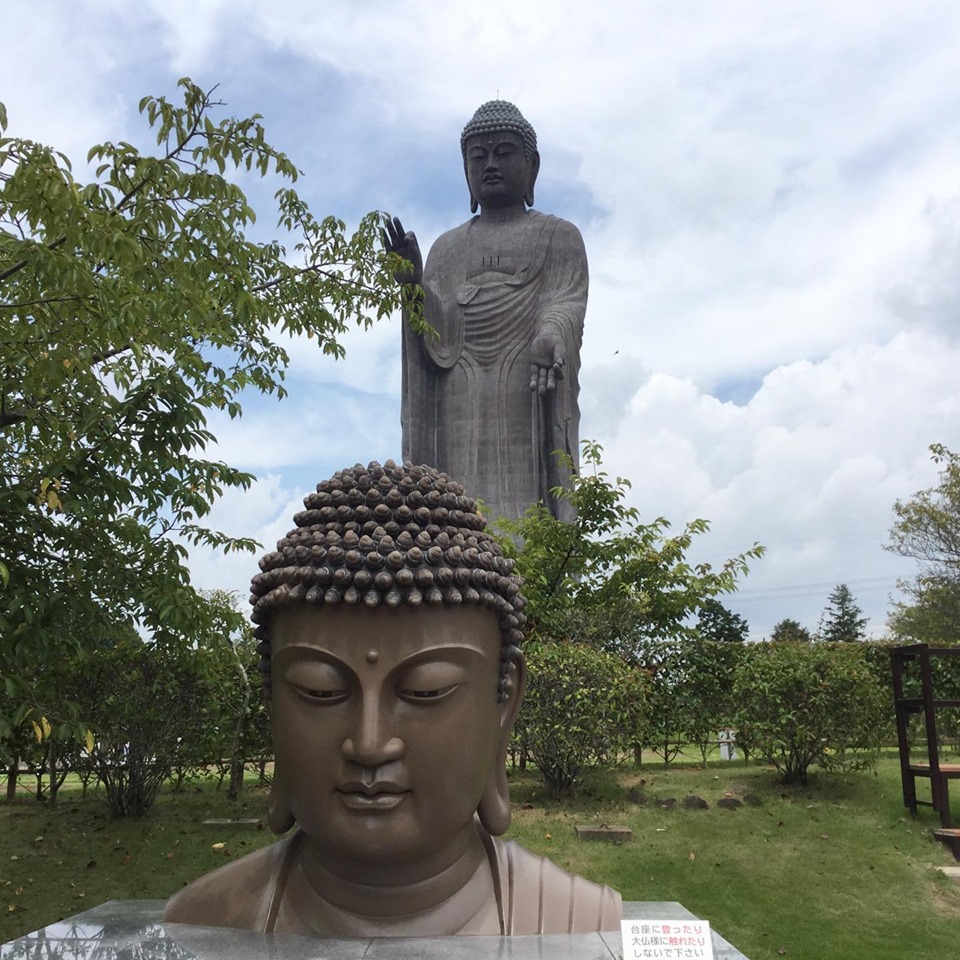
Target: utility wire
<point>800,591</point>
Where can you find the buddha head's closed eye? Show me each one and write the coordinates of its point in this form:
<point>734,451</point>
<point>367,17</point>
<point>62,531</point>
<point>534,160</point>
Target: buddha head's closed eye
<point>388,623</point>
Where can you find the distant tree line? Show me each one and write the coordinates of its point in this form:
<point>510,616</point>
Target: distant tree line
<point>842,621</point>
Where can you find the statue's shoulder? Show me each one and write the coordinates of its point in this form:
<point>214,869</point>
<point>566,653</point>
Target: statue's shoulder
<point>543,233</point>
<point>554,234</point>
<point>561,231</point>
<point>235,895</point>
<point>453,238</point>
<point>532,221</point>
<point>543,898</point>
<point>550,221</point>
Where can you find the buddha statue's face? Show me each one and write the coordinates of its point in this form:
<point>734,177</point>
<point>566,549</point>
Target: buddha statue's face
<point>386,724</point>
<point>498,173</point>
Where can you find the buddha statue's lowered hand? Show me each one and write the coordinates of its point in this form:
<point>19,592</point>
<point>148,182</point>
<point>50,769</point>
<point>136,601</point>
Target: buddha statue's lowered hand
<point>547,357</point>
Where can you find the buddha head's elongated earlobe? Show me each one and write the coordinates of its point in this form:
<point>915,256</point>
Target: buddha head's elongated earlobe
<point>534,170</point>
<point>279,817</point>
<point>494,806</point>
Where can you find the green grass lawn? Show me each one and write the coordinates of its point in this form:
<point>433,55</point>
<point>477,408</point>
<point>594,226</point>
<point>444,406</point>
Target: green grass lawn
<point>837,870</point>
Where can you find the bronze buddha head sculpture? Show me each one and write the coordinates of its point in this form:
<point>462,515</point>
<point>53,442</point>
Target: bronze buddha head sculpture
<point>389,625</point>
<point>389,604</point>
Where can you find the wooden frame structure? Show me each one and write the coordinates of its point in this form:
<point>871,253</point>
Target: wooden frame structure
<point>939,774</point>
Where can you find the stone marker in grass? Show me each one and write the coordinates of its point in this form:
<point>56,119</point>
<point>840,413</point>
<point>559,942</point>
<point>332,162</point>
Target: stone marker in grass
<point>593,831</point>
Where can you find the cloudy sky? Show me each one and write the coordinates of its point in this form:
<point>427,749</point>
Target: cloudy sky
<point>769,195</point>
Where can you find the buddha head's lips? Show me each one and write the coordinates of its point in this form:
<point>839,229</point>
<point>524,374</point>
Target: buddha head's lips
<point>381,796</point>
<point>371,789</point>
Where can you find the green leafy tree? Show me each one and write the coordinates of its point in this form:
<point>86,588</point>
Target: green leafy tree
<point>21,746</point>
<point>927,529</point>
<point>666,730</point>
<point>42,733</point>
<point>842,621</point>
<point>691,683</point>
<point>622,586</point>
<point>607,578</point>
<point>800,704</point>
<point>717,623</point>
<point>150,707</point>
<point>710,668</point>
<point>582,708</point>
<point>229,651</point>
<point>134,305</point>
<point>931,615</point>
<point>790,631</point>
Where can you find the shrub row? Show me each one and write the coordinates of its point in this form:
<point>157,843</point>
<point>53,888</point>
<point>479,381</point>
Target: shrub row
<point>130,716</point>
<point>156,714</point>
<point>793,705</point>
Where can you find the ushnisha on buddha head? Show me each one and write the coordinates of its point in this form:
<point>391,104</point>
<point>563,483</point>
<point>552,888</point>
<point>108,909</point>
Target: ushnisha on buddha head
<point>389,625</point>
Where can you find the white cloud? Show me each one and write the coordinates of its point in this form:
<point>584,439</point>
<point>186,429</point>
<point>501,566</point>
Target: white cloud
<point>321,423</point>
<point>264,512</point>
<point>54,78</point>
<point>810,466</point>
<point>931,296</point>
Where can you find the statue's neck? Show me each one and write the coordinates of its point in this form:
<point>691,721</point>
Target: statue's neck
<point>367,895</point>
<point>502,214</point>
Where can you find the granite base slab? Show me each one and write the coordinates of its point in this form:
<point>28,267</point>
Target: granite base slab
<point>133,930</point>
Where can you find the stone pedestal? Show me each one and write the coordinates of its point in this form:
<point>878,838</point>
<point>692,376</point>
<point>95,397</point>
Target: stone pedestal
<point>132,930</point>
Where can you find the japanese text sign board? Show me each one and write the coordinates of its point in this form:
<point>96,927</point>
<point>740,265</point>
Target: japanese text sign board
<point>666,940</point>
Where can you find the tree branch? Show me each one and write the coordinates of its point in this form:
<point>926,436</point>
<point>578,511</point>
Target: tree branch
<point>9,419</point>
<point>17,267</point>
<point>110,354</point>
<point>44,302</point>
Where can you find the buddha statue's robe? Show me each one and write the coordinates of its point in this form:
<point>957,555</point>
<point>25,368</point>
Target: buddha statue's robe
<point>467,404</point>
<point>529,895</point>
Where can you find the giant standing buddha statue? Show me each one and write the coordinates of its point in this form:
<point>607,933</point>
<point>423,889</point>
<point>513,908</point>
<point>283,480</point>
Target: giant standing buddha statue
<point>494,394</point>
<point>388,622</point>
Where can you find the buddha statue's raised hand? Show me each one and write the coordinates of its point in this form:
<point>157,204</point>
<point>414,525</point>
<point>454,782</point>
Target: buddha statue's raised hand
<point>404,245</point>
